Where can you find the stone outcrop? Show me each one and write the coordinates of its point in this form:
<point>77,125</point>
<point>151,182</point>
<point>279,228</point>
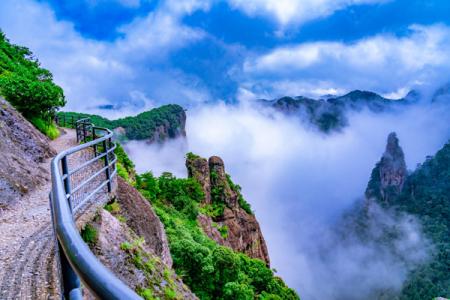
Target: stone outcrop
<point>234,226</point>
<point>22,149</point>
<point>198,168</point>
<point>392,165</point>
<point>133,261</point>
<point>141,218</point>
<point>389,175</point>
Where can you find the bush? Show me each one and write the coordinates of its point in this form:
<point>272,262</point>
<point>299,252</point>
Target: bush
<point>27,86</point>
<point>47,128</point>
<point>89,234</point>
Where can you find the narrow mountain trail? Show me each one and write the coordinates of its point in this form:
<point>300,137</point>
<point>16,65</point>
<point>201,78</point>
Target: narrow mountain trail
<point>28,265</point>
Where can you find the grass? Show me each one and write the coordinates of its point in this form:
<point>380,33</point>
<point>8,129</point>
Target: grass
<point>47,128</point>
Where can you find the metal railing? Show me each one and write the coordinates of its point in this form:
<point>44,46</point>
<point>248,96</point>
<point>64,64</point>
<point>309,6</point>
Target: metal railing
<point>79,175</point>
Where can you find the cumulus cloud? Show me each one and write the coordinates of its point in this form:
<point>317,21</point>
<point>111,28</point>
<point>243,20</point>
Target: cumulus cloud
<point>96,72</point>
<point>295,11</point>
<point>384,63</point>
<point>300,182</point>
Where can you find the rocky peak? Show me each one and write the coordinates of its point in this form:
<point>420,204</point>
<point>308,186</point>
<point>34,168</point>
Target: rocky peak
<point>392,166</point>
<point>220,182</point>
<point>388,177</point>
<point>198,168</point>
<point>227,218</point>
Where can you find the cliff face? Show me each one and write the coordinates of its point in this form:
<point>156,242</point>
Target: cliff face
<point>141,218</point>
<point>134,262</point>
<point>131,241</point>
<point>389,175</point>
<point>226,217</point>
<point>22,149</point>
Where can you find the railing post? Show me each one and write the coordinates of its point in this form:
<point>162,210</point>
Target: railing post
<point>108,176</point>
<point>67,187</point>
<point>84,131</point>
<point>93,138</point>
<point>77,132</point>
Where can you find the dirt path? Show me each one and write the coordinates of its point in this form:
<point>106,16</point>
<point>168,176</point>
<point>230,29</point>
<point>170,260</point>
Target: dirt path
<point>28,267</point>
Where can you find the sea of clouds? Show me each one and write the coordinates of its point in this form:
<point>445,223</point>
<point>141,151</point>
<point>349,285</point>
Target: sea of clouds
<point>300,181</point>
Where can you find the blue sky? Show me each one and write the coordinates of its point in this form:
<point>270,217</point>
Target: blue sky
<point>142,53</point>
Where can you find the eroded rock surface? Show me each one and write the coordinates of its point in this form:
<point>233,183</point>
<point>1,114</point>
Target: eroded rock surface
<point>141,218</point>
<point>233,227</point>
<point>389,175</point>
<point>133,261</point>
<point>22,149</point>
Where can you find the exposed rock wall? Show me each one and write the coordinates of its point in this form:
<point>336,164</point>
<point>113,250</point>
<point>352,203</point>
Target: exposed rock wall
<point>22,149</point>
<point>243,233</point>
<point>389,175</point>
<point>141,218</point>
<point>133,261</point>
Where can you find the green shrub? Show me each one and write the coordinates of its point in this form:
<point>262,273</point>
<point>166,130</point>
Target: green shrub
<point>89,234</point>
<point>47,128</point>
<point>113,207</point>
<point>223,231</point>
<point>27,86</point>
<point>147,294</point>
<point>122,172</point>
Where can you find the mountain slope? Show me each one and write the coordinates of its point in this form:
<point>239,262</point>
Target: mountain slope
<point>425,194</point>
<point>211,271</point>
<point>22,148</point>
<point>156,125</point>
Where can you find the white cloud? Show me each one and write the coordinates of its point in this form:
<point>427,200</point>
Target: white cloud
<point>126,3</point>
<point>384,63</point>
<point>187,6</point>
<point>97,72</point>
<point>295,11</point>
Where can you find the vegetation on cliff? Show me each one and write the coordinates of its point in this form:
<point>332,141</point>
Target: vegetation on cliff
<point>210,270</point>
<point>28,86</point>
<point>167,121</point>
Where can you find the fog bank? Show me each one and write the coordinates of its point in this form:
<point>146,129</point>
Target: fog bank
<point>300,181</point>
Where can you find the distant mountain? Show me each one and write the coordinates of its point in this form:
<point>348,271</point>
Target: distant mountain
<point>442,94</point>
<point>156,125</point>
<point>330,113</point>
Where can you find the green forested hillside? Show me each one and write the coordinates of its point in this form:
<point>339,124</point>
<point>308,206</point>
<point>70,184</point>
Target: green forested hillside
<point>171,118</point>
<point>426,195</point>
<point>210,270</point>
<point>28,87</point>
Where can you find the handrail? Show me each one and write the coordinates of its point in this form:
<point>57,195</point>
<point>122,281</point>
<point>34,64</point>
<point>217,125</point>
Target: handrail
<point>77,262</point>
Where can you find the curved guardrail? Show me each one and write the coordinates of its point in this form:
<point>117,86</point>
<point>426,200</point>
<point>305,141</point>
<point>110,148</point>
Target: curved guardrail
<point>70,192</point>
